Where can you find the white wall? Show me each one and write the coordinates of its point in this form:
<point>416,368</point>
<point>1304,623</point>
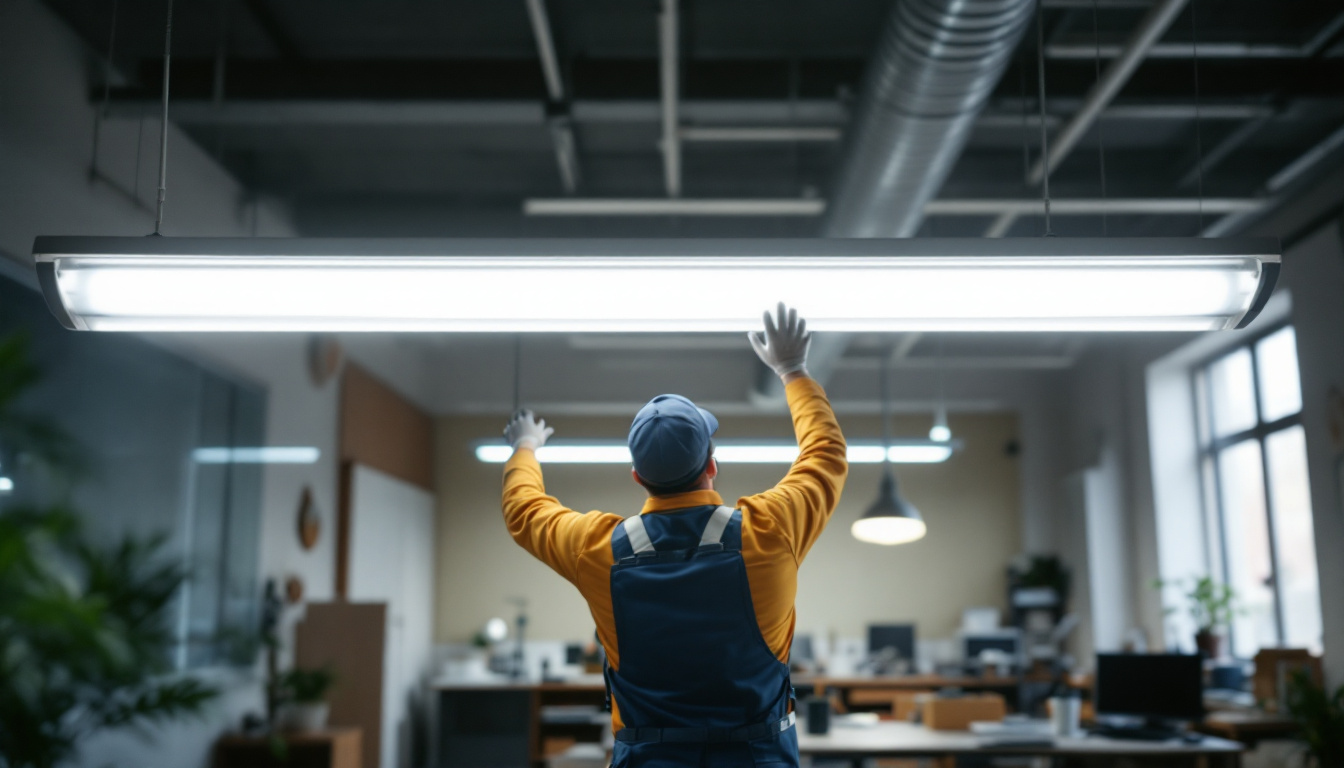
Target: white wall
<point>1314,272</point>
<point>45,141</point>
<point>970,503</point>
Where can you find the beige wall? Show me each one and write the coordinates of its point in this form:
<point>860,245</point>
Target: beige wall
<point>970,503</point>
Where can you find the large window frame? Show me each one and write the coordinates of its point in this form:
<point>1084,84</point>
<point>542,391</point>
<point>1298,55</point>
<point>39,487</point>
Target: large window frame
<point>1210,446</point>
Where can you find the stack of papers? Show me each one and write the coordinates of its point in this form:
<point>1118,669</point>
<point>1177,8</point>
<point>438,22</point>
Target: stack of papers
<point>1014,733</point>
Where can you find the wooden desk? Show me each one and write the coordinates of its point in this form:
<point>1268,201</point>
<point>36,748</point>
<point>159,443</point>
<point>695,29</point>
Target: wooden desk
<point>331,748</point>
<point>893,739</point>
<point>1248,726</point>
<point>845,687</point>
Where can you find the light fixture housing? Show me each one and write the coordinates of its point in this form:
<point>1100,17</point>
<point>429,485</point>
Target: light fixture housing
<point>725,452</point>
<point>891,519</point>
<point>669,285</point>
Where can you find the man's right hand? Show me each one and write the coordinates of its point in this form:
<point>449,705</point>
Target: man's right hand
<point>525,430</point>
<point>783,344</point>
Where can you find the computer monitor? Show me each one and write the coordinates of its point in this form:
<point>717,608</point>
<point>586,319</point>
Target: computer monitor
<point>1156,687</point>
<point>900,637</point>
<point>1008,641</point>
<point>801,652</point>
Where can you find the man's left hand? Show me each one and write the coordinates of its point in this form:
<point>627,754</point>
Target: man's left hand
<point>525,430</point>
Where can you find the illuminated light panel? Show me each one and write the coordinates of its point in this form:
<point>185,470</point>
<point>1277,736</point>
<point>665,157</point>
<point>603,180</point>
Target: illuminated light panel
<point>888,531</point>
<point>258,455</point>
<point>685,285</point>
<point>901,452</point>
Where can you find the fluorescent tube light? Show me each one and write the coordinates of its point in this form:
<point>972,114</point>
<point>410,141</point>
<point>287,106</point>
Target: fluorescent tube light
<point>615,452</point>
<point>257,455</point>
<point>612,285</point>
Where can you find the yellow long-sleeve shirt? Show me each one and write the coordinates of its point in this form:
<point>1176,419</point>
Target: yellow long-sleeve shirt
<point>779,526</point>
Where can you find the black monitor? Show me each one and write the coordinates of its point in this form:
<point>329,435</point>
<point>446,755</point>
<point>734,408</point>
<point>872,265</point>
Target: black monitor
<point>901,637</point>
<point>1007,641</point>
<point>1156,687</point>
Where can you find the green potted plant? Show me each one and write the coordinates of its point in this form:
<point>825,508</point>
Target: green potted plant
<point>1211,606</point>
<point>1320,718</point>
<point>304,696</point>
<point>86,630</point>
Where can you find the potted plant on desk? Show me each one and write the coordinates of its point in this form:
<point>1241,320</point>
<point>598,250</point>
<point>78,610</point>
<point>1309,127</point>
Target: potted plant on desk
<point>304,693</point>
<point>1211,606</point>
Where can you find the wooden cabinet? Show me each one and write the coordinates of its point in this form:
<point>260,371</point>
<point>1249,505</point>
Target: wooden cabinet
<point>333,748</point>
<point>512,725</point>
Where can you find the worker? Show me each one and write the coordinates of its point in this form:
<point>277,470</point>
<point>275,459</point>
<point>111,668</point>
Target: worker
<point>693,600</point>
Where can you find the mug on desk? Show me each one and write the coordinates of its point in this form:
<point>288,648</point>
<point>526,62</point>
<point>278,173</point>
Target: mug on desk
<point>1064,714</point>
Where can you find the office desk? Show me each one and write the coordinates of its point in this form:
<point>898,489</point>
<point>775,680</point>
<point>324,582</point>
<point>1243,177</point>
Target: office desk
<point>846,686</point>
<point>1248,726</point>
<point>894,739</point>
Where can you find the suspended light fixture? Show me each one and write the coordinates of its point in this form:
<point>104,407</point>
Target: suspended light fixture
<point>891,519</point>
<point>576,285</point>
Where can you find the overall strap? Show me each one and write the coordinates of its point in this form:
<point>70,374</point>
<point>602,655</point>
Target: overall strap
<point>638,536</point>
<point>718,523</point>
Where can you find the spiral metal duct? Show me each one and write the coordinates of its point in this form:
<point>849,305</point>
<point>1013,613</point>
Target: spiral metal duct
<point>934,68</point>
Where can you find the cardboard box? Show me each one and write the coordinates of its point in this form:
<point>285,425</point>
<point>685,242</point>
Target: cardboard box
<point>957,714</point>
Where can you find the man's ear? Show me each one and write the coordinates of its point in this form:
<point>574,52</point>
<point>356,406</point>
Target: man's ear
<point>635,476</point>
<point>712,469</point>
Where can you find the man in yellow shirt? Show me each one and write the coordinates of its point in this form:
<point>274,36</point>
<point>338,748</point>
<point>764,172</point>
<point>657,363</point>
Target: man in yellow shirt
<point>693,600</point>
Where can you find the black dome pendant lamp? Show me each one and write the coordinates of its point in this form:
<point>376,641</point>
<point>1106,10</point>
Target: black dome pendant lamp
<point>891,519</point>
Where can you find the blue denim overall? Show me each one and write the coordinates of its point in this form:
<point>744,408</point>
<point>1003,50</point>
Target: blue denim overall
<point>697,684</point>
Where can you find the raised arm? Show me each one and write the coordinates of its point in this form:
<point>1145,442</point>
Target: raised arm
<point>799,507</point>
<point>539,523</point>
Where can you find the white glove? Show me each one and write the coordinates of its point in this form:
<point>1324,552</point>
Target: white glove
<point>783,345</point>
<point>525,430</point>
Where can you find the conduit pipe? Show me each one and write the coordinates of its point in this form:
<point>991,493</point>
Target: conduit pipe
<point>935,66</point>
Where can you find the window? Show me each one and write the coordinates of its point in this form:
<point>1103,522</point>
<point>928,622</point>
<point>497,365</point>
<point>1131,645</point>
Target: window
<point>138,411</point>
<point>1253,460</point>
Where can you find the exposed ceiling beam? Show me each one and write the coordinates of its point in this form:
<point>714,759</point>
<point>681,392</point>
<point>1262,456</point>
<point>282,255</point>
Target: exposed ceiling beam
<point>275,30</point>
<point>1144,37</point>
<point>702,120</point>
<point>668,79</point>
<point>729,134</point>
<point>656,206</point>
<point>550,66</point>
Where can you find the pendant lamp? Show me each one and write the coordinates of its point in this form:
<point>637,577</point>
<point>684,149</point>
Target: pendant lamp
<point>891,519</point>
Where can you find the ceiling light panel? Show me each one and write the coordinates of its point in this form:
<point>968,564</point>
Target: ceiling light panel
<point>686,285</point>
<point>616,452</point>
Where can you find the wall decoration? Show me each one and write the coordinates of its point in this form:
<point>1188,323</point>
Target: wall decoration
<point>293,590</point>
<point>310,520</point>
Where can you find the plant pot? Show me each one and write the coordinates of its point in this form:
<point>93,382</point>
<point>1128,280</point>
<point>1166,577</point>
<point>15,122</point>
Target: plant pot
<point>1210,645</point>
<point>304,717</point>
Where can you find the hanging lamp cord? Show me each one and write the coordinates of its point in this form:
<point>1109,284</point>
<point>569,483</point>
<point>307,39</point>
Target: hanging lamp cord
<point>163,128</point>
<point>886,411</point>
<point>1045,139</point>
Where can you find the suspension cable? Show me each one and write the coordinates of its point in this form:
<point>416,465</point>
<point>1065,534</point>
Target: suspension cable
<point>163,128</point>
<point>1045,141</point>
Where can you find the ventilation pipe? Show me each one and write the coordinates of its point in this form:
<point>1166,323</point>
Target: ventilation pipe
<point>934,68</point>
